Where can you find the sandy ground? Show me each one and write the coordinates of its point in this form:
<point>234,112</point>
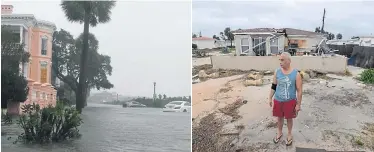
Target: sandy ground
<point>333,114</point>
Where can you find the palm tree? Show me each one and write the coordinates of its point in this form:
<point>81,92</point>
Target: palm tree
<point>88,13</point>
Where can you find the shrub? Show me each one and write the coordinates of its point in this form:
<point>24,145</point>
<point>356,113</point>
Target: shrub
<point>367,76</point>
<point>6,118</point>
<point>194,46</point>
<point>50,124</point>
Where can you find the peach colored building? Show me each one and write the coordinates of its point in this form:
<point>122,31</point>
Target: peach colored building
<point>37,37</point>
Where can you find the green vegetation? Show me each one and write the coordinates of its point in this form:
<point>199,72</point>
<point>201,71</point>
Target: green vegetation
<point>13,85</point>
<point>66,58</point>
<point>228,35</point>
<point>90,13</point>
<point>50,124</point>
<point>159,102</point>
<point>367,76</point>
<point>194,46</point>
<point>6,118</point>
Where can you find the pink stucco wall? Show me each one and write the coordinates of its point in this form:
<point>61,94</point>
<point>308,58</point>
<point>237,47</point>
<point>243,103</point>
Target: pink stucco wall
<point>34,70</point>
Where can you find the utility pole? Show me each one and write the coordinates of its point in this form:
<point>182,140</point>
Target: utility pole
<point>154,91</point>
<point>323,21</point>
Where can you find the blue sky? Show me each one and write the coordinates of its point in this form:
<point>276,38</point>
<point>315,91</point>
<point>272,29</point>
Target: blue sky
<point>350,18</point>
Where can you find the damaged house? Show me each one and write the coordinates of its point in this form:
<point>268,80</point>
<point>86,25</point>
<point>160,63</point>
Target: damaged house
<point>270,41</point>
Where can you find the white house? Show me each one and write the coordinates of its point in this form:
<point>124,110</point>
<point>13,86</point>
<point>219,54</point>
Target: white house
<point>204,42</point>
<point>269,41</point>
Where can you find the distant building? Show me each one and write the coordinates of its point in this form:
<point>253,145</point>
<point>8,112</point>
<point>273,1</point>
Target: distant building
<point>37,37</point>
<point>204,42</point>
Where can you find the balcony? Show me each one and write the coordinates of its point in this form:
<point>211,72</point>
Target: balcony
<point>20,34</point>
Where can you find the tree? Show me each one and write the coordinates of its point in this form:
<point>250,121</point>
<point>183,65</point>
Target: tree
<point>330,36</point>
<point>317,30</point>
<point>165,96</point>
<point>90,13</point>
<point>216,37</point>
<point>339,36</point>
<point>194,36</point>
<point>194,46</point>
<point>160,96</point>
<point>66,55</point>
<point>227,35</point>
<point>13,85</point>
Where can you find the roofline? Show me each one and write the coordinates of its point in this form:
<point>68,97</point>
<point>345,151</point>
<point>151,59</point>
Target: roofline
<point>272,33</point>
<point>249,33</point>
<point>28,18</point>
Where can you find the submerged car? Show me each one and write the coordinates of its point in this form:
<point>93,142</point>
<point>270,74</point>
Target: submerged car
<point>177,106</point>
<point>133,104</point>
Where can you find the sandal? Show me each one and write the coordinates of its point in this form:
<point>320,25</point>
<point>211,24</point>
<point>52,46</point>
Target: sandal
<point>289,142</point>
<point>276,140</point>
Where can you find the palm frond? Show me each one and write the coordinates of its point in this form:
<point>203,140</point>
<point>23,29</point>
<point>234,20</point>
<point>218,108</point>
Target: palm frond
<point>74,10</point>
<point>101,11</point>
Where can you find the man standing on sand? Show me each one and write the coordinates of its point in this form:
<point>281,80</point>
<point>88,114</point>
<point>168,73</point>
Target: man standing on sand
<point>287,92</point>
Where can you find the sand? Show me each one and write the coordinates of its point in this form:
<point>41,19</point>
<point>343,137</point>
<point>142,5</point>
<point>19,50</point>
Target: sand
<point>333,114</point>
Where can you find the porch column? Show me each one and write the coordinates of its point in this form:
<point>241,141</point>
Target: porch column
<point>267,45</point>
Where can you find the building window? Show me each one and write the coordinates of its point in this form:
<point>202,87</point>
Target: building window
<point>44,45</point>
<point>244,43</point>
<point>43,72</point>
<point>274,46</point>
<point>259,46</point>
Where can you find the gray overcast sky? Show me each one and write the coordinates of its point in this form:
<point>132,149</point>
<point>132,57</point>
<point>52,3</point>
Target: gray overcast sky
<point>349,18</point>
<point>147,41</point>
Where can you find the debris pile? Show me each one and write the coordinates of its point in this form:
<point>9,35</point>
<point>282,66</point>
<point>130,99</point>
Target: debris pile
<point>208,136</point>
<point>206,71</point>
<point>254,79</point>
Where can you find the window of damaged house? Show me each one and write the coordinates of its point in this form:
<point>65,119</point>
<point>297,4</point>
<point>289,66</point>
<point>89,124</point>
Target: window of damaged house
<point>244,45</point>
<point>274,46</point>
<point>44,44</point>
<point>259,46</point>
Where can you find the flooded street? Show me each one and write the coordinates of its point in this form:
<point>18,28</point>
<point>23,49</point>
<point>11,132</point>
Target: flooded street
<point>111,128</point>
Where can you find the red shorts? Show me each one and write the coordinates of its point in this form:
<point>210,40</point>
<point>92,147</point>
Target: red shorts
<point>284,109</point>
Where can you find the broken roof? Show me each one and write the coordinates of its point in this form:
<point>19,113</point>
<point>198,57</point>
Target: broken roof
<point>289,31</point>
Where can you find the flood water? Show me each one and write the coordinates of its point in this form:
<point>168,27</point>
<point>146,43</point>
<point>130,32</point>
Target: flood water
<point>111,128</point>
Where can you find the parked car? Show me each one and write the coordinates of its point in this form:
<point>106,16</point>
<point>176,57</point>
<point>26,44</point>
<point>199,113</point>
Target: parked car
<point>177,106</point>
<point>133,104</point>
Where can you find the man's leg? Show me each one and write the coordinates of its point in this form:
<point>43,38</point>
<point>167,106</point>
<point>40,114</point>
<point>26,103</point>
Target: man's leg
<point>289,114</point>
<point>280,121</point>
<point>278,112</point>
<point>289,126</point>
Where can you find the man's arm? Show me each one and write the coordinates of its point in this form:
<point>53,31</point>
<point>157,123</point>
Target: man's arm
<point>299,88</point>
<point>273,87</point>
